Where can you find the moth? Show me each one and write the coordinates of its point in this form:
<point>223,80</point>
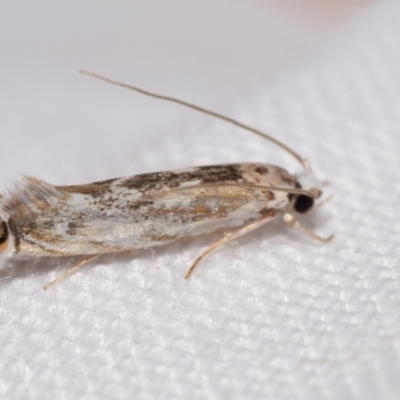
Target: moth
<point>143,211</point>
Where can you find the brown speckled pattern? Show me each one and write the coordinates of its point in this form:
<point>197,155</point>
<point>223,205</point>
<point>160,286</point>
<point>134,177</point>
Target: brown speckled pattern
<point>140,211</point>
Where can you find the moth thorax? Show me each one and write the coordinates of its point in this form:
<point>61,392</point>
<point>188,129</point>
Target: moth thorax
<point>3,236</point>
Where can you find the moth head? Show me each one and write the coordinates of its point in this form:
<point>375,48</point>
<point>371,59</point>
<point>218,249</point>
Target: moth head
<point>304,202</point>
<point>4,236</point>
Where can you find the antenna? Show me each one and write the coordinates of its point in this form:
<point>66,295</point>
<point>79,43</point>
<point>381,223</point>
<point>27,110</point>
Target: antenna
<point>302,161</point>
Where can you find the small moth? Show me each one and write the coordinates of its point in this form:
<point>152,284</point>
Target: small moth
<point>39,219</point>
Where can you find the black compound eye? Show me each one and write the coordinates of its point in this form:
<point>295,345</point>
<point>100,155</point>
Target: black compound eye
<point>303,203</point>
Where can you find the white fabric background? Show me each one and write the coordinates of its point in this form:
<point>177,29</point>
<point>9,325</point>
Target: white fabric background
<point>274,315</point>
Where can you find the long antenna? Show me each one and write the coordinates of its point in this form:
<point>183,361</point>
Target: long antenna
<point>205,111</point>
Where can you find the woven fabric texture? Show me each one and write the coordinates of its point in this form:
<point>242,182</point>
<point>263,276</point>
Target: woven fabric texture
<point>273,315</point>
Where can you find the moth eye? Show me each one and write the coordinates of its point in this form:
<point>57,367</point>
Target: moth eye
<point>3,236</point>
<point>303,203</point>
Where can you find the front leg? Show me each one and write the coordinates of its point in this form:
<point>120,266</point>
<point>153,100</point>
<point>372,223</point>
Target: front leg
<point>295,224</point>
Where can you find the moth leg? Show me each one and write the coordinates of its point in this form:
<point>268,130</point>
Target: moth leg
<point>71,270</point>
<point>322,203</point>
<point>228,237</point>
<point>295,224</point>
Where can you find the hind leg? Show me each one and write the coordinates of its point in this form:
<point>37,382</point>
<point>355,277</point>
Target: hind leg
<point>228,237</point>
<point>71,270</point>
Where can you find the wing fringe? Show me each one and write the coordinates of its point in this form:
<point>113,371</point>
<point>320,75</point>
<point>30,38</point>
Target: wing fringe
<point>26,193</point>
